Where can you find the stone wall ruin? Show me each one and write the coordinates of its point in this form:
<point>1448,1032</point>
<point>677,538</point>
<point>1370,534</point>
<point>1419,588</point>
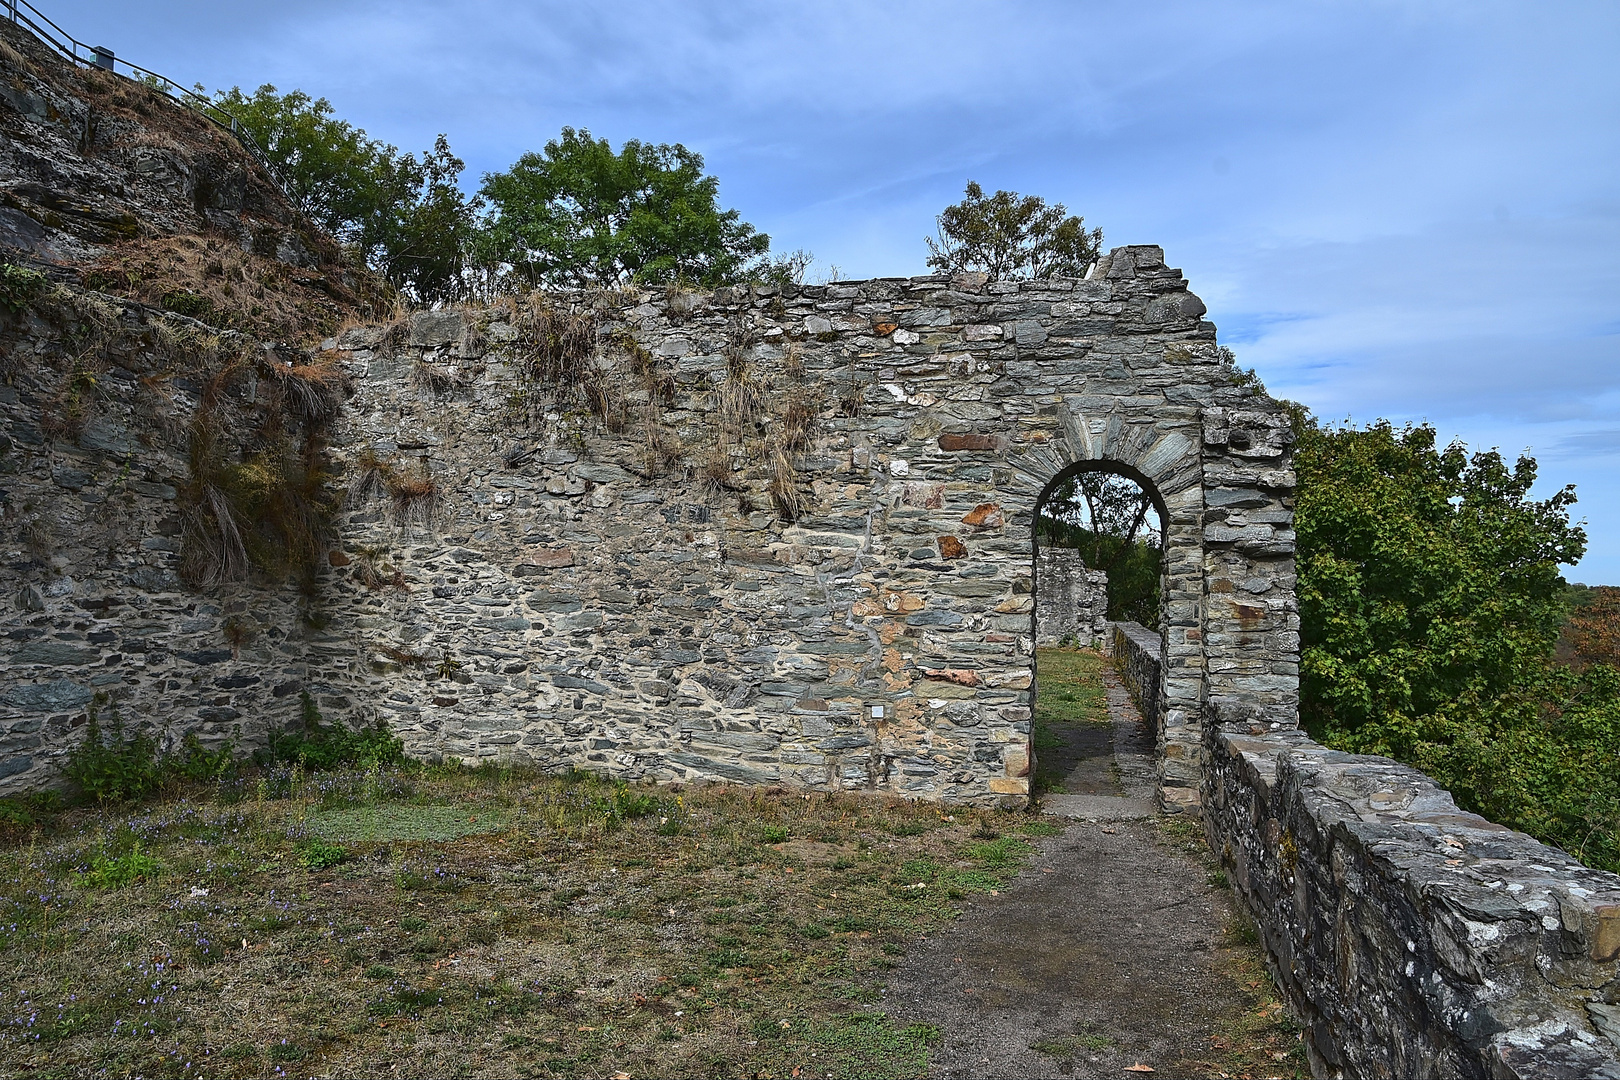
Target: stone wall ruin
<point>1071,602</point>
<point>836,593</point>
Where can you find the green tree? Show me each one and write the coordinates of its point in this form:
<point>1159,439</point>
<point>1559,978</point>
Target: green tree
<point>578,214</point>
<point>1009,236</point>
<point>1427,577</point>
<point>333,172</point>
<point>1110,520</point>
<point>403,215</point>
<point>424,228</point>
<point>1430,602</point>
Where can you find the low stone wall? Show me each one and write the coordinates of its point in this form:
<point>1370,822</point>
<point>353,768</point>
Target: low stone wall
<point>1071,602</point>
<point>1411,938</point>
<point>1137,653</point>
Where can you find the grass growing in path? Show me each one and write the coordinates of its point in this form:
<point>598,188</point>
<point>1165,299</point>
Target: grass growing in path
<point>441,921</point>
<point>1069,693</point>
<point>1261,1039</point>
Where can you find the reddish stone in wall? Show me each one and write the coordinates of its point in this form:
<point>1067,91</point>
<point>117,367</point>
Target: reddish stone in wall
<point>985,516</point>
<point>959,676</point>
<point>972,441</point>
<point>548,558</point>
<point>951,548</point>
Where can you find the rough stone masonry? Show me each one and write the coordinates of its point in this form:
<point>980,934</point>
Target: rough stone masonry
<point>588,588</point>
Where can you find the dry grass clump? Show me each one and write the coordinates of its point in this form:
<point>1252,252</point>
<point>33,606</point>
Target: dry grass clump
<point>212,280</point>
<point>556,346</point>
<point>374,568</point>
<point>415,495</point>
<point>13,59</point>
<point>789,500</point>
<point>800,418</point>
<point>271,511</point>
<point>716,471</point>
<point>412,492</point>
<point>313,392</point>
<point>793,362</point>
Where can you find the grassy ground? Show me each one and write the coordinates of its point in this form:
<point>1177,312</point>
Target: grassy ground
<point>447,921</point>
<point>451,922</point>
<point>1071,689</point>
<point>1071,714</point>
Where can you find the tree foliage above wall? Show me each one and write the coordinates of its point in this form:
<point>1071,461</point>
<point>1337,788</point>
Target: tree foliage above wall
<point>579,214</point>
<point>1430,602</point>
<point>1009,236</point>
<point>404,215</point>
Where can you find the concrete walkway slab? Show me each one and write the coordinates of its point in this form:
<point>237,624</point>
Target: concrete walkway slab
<point>1098,807</point>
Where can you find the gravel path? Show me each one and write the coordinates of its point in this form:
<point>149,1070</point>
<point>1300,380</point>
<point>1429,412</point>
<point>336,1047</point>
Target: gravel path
<point>1104,954</point>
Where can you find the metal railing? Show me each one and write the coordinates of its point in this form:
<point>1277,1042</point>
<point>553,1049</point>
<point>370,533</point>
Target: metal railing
<point>23,13</point>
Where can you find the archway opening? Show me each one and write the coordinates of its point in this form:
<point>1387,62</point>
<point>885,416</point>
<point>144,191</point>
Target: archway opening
<point>1112,525</point>
<point>1099,540</point>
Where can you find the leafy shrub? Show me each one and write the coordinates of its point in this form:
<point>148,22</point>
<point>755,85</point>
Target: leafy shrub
<point>116,871</point>
<point>106,765</point>
<point>189,304</point>
<point>320,746</point>
<point>14,817</point>
<point>19,286</point>
<point>1430,604</point>
<point>317,854</point>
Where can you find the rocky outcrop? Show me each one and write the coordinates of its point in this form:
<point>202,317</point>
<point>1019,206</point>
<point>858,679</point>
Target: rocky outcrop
<point>112,184</point>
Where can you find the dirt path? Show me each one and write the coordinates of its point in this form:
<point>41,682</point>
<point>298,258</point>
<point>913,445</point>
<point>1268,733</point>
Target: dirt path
<point>1115,947</point>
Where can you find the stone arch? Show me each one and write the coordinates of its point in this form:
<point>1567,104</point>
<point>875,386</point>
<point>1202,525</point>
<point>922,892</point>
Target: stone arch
<point>1164,457</point>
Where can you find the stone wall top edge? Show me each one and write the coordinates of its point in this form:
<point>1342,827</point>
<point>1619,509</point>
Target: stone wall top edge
<point>1379,797</point>
<point>1153,270</point>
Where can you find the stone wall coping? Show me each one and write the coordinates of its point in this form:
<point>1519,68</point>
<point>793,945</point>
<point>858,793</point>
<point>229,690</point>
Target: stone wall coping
<point>1404,812</point>
<point>1511,948</point>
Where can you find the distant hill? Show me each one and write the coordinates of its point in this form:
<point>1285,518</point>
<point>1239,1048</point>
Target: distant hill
<point>115,186</point>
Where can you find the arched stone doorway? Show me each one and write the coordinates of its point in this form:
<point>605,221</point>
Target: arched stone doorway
<point>1164,457</point>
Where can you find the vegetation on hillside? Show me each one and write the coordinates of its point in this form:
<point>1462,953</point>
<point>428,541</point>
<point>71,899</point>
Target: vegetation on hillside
<point>1591,631</point>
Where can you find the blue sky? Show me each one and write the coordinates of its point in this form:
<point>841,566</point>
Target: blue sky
<point>1398,210</point>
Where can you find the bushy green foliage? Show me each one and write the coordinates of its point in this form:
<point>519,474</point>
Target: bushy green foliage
<point>318,854</point>
<point>111,765</point>
<point>107,765</point>
<point>402,214</point>
<point>318,745</point>
<point>115,871</point>
<point>1428,576</point>
<point>1430,601</point>
<point>579,214</point>
<point>1010,236</point>
<point>19,286</point>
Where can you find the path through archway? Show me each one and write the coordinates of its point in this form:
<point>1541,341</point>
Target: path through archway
<point>1098,560</point>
